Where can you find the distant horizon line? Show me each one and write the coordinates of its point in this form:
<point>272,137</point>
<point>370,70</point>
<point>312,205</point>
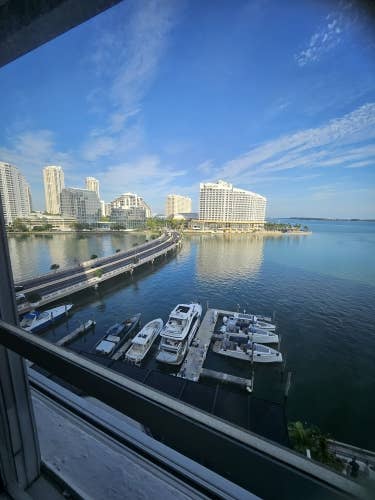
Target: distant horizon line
<point>352,219</point>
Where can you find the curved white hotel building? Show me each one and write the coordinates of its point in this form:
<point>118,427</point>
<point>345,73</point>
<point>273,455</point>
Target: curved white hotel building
<point>224,207</point>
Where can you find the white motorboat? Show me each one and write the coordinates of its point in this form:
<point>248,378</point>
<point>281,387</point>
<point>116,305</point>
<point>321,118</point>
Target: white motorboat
<point>116,335</point>
<point>143,341</point>
<point>253,335</point>
<point>248,351</point>
<point>178,332</point>
<point>35,321</point>
<point>250,319</point>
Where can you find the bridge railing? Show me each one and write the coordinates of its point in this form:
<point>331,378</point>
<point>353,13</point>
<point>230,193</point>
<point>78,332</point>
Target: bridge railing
<point>90,262</point>
<point>50,297</point>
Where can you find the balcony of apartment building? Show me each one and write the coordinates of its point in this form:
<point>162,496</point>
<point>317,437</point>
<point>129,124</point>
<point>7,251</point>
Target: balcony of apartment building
<point>72,428</point>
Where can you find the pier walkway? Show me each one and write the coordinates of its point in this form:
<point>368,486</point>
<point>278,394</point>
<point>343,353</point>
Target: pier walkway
<point>192,366</point>
<point>54,286</point>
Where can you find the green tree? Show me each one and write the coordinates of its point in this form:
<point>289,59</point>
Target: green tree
<point>19,225</point>
<point>118,250</point>
<point>54,267</point>
<point>93,256</point>
<point>98,273</point>
<point>312,438</point>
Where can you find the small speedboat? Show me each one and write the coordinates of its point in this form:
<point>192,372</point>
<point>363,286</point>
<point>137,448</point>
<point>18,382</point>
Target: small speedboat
<point>116,335</point>
<point>248,351</point>
<point>252,334</point>
<point>244,320</point>
<point>35,321</point>
<point>143,341</point>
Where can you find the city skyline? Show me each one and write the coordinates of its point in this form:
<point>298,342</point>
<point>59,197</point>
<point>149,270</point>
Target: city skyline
<point>290,116</point>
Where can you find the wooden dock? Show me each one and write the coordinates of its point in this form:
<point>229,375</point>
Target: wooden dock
<point>76,333</point>
<point>118,354</point>
<point>226,377</point>
<point>192,366</point>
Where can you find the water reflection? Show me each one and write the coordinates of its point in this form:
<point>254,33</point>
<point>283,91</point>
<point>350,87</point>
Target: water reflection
<point>229,256</point>
<point>33,255</point>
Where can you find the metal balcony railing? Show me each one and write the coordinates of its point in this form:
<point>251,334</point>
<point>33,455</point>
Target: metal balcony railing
<point>252,462</point>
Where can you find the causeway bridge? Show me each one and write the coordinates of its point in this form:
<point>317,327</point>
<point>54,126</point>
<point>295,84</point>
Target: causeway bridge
<point>56,285</point>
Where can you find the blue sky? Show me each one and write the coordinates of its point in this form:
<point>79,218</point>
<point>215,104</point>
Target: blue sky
<point>156,96</point>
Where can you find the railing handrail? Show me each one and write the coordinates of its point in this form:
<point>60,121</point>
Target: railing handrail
<point>172,418</point>
<point>89,262</point>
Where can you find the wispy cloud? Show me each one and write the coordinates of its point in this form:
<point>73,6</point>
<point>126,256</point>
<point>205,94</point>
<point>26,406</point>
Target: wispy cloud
<point>148,176</point>
<point>342,141</point>
<point>130,54</point>
<point>126,60</point>
<point>327,36</point>
<point>32,150</point>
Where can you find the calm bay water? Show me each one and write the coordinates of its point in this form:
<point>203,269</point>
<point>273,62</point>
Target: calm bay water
<point>320,286</point>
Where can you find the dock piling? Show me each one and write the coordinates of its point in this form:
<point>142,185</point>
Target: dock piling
<point>287,385</point>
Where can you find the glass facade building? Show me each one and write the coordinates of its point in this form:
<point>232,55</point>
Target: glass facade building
<point>82,204</point>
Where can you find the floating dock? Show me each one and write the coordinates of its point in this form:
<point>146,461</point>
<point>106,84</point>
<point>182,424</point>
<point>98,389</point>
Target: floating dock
<point>192,366</point>
<point>118,354</point>
<point>226,377</point>
<point>76,333</point>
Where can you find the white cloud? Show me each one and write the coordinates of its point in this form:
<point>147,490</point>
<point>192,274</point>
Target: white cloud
<point>127,59</point>
<point>32,150</point>
<point>131,53</point>
<point>206,167</point>
<point>147,176</point>
<point>327,37</point>
<point>341,141</point>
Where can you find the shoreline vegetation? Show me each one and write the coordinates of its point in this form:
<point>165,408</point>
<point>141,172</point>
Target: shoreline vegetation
<point>154,225</point>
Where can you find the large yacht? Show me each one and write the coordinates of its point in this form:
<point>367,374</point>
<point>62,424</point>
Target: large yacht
<point>178,332</point>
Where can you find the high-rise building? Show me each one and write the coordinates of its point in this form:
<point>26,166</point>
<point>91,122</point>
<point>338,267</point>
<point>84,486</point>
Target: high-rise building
<point>14,192</point>
<point>92,184</point>
<point>102,208</point>
<point>82,204</point>
<point>177,204</point>
<point>53,178</point>
<point>107,209</point>
<point>226,207</point>
<point>129,218</point>
<point>130,200</point>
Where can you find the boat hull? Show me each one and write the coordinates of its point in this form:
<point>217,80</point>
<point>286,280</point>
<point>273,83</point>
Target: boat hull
<point>175,358</point>
<point>137,358</point>
<point>54,315</point>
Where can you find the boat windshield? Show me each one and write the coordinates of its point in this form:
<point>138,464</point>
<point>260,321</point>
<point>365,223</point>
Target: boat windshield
<point>261,348</point>
<point>114,329</point>
<point>137,348</point>
<point>177,322</point>
<point>27,321</point>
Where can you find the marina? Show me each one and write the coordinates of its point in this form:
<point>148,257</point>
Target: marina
<point>81,330</point>
<point>258,275</point>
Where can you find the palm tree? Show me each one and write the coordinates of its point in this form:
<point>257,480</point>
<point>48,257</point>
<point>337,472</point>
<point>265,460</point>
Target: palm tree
<point>54,267</point>
<point>300,437</point>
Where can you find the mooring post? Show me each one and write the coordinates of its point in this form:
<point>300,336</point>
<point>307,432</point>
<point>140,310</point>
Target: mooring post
<point>283,368</point>
<point>287,385</point>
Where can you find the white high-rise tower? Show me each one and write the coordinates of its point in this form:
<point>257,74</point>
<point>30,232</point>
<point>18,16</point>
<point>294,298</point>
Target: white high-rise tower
<point>92,184</point>
<point>177,204</point>
<point>15,193</point>
<point>53,178</point>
